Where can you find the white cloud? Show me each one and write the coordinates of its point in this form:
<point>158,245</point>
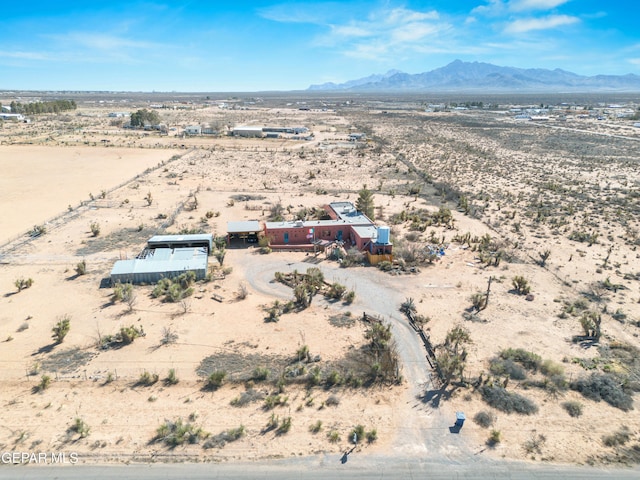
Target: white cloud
<point>634,61</point>
<point>102,41</point>
<point>25,55</point>
<point>385,32</point>
<point>524,25</point>
<point>521,5</point>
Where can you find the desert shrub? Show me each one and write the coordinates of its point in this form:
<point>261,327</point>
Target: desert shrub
<point>172,377</point>
<point>273,401</point>
<point>551,369</point>
<point>260,373</point>
<point>622,436</point>
<point>272,422</point>
<point>80,427</point>
<point>535,443</point>
<point>122,292</point>
<point>333,401</point>
<point>284,426</point>
<point>508,367</point>
<point>349,297</point>
<point>495,437</point>
<point>81,268</point>
<point>336,290</point>
<point>508,402</point>
<point>521,285</point>
<point>147,379</point>
<point>409,305</point>
<point>22,283</point>
<point>333,378</point>
<point>215,380</point>
<point>371,435</point>
<point>316,427</point>
<point>45,382</point>
<point>573,408</point>
<point>484,419</point>
<point>95,228</point>
<point>603,386</point>
<point>353,257</point>
<point>178,432</point>
<point>175,289</point>
<point>333,436</point>
<point>129,334</point>
<point>478,301</point>
<point>528,360</point>
<point>168,336</point>
<point>385,266</point>
<point>247,397</point>
<point>61,329</point>
<point>242,292</point>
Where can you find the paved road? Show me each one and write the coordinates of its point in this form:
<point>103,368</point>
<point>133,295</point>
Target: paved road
<point>312,468</point>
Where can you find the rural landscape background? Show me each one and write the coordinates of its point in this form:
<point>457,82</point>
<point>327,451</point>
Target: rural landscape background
<point>542,210</point>
<point>500,149</point>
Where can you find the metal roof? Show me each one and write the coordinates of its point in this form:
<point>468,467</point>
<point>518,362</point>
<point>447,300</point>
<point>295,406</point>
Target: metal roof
<point>181,238</point>
<point>162,260</point>
<point>243,226</point>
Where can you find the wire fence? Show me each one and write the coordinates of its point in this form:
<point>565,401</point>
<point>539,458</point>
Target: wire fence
<point>55,222</point>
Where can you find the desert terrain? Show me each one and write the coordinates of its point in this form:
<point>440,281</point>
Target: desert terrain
<point>545,367</point>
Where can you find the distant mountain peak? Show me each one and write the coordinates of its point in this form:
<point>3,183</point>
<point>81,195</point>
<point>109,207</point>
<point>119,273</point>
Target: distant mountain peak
<point>480,76</point>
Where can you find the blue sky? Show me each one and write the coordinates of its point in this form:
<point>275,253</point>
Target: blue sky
<point>228,46</point>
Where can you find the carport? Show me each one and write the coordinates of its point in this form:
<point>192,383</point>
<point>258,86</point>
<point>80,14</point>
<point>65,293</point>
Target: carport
<point>243,232</point>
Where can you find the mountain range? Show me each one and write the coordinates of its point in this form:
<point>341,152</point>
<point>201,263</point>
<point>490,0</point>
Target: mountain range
<point>473,76</point>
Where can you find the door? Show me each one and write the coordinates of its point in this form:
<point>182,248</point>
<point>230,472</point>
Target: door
<point>339,236</point>
<point>286,237</point>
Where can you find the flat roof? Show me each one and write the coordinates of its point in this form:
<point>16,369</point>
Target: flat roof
<point>243,226</point>
<point>366,231</point>
<point>299,224</point>
<point>162,260</point>
<point>347,212</point>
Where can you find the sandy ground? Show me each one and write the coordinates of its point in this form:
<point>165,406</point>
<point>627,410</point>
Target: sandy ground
<point>65,177</point>
<point>123,416</point>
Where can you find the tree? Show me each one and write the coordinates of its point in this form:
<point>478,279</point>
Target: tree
<point>61,329</point>
<point>144,117</point>
<point>453,355</point>
<point>364,203</point>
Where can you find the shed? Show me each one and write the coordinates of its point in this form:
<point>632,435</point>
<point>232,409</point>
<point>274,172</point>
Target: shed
<point>156,264</point>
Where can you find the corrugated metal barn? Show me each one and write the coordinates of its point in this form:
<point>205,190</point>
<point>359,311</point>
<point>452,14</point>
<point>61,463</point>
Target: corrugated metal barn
<point>155,264</point>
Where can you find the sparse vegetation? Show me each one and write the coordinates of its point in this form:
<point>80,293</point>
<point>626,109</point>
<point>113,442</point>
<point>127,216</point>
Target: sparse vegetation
<point>80,427</point>
<point>484,419</point>
<point>179,432</point>
<point>509,402</point>
<point>22,283</point>
<point>573,408</point>
<point>215,380</point>
<point>61,329</point>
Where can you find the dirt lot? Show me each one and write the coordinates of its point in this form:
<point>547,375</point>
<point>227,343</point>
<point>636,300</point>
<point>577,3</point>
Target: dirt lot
<point>517,190</point>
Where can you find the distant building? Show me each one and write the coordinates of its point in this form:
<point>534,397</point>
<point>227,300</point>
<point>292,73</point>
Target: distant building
<point>247,132</point>
<point>193,130</point>
<point>17,117</point>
